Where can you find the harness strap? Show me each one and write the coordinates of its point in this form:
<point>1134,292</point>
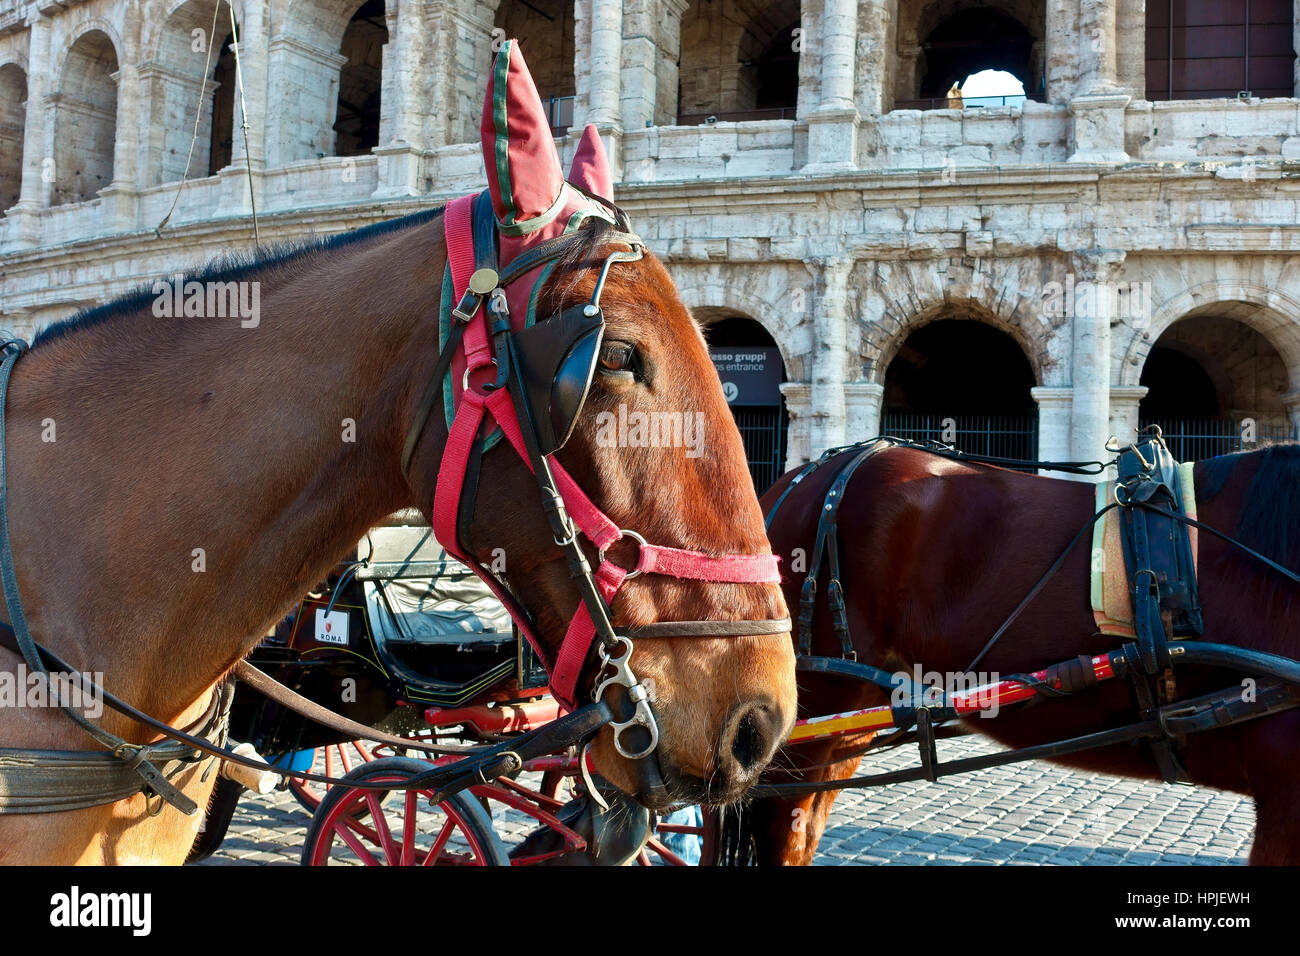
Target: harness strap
<point>826,542</point>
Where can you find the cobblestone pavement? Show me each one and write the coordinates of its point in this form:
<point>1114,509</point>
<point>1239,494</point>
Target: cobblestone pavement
<point>1032,813</point>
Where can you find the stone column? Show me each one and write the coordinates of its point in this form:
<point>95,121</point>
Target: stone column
<point>862,406</point>
<point>38,160</point>
<point>402,114</point>
<point>829,360</point>
<point>1131,47</point>
<point>605,75</point>
<point>875,37</point>
<point>598,60</point>
<point>458,45</point>
<point>120,196</point>
<point>1054,406</point>
<point>833,125</point>
<point>1062,48</point>
<point>1098,108</point>
<point>254,59</point>
<point>1124,403</point>
<point>1090,362</point>
<point>299,73</point>
<point>650,28</point>
<point>798,446</point>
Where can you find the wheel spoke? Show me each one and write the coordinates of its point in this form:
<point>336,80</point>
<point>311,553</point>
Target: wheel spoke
<point>381,827</point>
<point>354,844</point>
<point>409,828</point>
<point>443,837</point>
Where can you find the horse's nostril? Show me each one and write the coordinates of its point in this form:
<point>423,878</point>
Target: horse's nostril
<point>748,745</point>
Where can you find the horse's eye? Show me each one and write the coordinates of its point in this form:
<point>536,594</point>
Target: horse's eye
<point>616,356</point>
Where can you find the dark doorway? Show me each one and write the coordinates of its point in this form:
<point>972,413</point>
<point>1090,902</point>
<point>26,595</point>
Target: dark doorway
<point>776,73</point>
<point>361,80</point>
<point>963,383</point>
<point>975,40</point>
<point>749,364</point>
<point>223,109</point>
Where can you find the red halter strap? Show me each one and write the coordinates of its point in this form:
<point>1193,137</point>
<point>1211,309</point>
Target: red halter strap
<point>473,407</point>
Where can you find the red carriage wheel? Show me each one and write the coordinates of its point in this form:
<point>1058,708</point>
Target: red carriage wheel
<point>333,760</point>
<point>358,826</point>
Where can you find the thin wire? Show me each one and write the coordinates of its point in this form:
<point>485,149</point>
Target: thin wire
<point>243,110</point>
<point>198,113</point>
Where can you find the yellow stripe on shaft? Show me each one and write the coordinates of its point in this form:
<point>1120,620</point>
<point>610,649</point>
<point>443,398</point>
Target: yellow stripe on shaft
<point>842,724</point>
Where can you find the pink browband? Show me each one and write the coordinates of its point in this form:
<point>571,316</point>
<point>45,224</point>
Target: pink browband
<point>590,520</point>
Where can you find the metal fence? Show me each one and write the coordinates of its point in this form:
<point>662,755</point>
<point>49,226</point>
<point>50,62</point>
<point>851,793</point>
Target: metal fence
<point>961,102</point>
<point>1193,439</point>
<point>1004,436</point>
<point>737,116</point>
<point>762,429</point>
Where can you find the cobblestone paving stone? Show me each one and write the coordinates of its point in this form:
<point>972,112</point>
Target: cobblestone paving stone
<point>1027,814</point>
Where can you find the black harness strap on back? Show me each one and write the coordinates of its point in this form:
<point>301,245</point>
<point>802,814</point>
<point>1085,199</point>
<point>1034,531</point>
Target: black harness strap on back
<point>1162,574</point>
<point>827,543</point>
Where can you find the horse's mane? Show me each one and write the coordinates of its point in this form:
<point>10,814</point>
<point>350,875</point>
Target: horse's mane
<point>1269,520</point>
<point>231,267</point>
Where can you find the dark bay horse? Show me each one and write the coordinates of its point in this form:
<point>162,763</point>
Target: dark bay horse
<point>937,553</point>
<point>175,484</point>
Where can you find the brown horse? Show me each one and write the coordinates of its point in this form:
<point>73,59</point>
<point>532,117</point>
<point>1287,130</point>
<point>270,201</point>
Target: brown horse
<point>204,475</point>
<point>937,553</point>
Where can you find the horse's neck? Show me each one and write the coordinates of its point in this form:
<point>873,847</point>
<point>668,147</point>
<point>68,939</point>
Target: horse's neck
<point>202,476</point>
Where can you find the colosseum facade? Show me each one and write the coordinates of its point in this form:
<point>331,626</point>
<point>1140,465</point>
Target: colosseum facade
<point>872,249</point>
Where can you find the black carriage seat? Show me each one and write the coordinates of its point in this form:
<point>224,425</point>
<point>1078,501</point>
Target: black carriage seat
<point>416,593</point>
<point>437,627</point>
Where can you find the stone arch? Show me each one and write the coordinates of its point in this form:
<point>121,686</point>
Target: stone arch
<point>900,300</point>
<point>1272,313</point>
<point>709,301</point>
<point>85,122</point>
<point>176,81</point>
<point>308,64</point>
<point>917,20</point>
<point>720,46</point>
<point>959,373</point>
<point>13,125</point>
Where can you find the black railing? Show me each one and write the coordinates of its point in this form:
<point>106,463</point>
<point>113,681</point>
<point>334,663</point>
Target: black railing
<point>736,116</point>
<point>1194,439</point>
<point>1003,436</point>
<point>961,102</point>
<point>762,429</point>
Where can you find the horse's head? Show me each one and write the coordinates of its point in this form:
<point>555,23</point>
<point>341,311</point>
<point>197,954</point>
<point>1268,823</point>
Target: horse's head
<point>656,447</point>
<point>632,407</point>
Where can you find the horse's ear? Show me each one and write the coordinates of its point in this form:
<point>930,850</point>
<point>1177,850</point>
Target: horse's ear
<point>590,168</point>
<point>523,169</point>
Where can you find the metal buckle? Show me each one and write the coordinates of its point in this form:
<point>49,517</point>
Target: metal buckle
<point>636,692</point>
<point>624,533</point>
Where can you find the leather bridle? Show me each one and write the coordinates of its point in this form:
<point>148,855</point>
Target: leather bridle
<point>483,333</point>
